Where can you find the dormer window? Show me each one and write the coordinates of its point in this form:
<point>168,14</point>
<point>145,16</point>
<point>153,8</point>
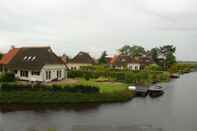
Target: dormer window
<point>25,58</point>
<point>33,58</point>
<point>29,58</point>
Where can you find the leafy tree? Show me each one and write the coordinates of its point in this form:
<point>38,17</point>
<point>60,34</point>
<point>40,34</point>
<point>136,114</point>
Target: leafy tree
<point>169,52</point>
<point>132,50</point>
<point>154,54</point>
<point>103,58</point>
<point>125,50</point>
<point>137,50</point>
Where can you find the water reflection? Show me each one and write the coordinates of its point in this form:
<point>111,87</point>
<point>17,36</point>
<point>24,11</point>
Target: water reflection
<point>176,110</point>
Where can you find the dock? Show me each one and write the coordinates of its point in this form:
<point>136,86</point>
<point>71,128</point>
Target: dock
<point>141,91</point>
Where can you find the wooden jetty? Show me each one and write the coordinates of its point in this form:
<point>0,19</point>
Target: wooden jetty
<point>141,91</point>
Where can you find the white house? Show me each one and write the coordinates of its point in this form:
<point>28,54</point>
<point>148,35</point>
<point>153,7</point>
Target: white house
<point>35,64</point>
<point>127,62</point>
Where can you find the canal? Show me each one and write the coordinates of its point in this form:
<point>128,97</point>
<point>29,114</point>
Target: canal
<point>176,110</point>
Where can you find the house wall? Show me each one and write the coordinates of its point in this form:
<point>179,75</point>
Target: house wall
<point>76,66</point>
<point>54,69</point>
<point>42,77</point>
<point>30,76</point>
<point>134,66</point>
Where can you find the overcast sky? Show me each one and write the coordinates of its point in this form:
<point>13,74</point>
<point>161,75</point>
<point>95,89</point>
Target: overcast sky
<point>69,26</point>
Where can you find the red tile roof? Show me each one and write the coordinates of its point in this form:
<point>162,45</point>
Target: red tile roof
<point>9,56</point>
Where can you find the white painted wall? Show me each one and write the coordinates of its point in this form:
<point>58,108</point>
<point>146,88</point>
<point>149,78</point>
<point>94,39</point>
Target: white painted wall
<point>30,76</point>
<point>54,69</point>
<point>134,66</point>
<point>42,76</point>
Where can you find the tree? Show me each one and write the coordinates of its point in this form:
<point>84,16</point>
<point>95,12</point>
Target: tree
<point>1,55</point>
<point>154,54</point>
<point>169,52</point>
<point>125,50</point>
<point>103,58</point>
<point>133,51</point>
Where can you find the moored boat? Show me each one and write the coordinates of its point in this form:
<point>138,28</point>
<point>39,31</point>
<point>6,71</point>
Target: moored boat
<point>155,91</point>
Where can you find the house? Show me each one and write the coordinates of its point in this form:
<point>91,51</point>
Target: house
<point>7,58</point>
<point>131,63</point>
<point>80,60</point>
<point>34,64</point>
<point>65,58</point>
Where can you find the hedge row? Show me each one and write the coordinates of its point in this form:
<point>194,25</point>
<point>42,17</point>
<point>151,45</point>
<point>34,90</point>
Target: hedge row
<point>54,88</point>
<point>140,77</point>
<point>47,97</point>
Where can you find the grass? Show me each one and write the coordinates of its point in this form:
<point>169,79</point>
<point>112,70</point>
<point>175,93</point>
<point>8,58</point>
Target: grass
<point>105,87</point>
<point>109,92</point>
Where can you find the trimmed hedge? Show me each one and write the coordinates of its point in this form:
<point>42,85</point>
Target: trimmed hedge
<point>54,88</point>
<point>139,77</point>
<point>47,97</point>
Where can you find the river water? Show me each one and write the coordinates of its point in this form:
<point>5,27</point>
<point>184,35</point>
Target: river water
<point>176,110</point>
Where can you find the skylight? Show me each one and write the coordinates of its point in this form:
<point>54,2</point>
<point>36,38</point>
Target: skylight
<point>25,57</point>
<point>29,58</point>
<point>33,58</point>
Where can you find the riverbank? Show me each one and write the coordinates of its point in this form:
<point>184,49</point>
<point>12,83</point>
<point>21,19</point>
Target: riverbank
<point>94,92</point>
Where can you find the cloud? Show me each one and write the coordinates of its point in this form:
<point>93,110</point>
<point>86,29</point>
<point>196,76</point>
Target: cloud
<point>96,25</point>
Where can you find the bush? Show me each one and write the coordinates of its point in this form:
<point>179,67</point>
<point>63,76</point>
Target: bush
<point>53,88</point>
<point>139,77</point>
<point>153,67</point>
<point>7,77</point>
<point>181,68</point>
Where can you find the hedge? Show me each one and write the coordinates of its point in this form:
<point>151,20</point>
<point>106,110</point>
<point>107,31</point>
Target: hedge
<point>54,88</point>
<point>139,77</point>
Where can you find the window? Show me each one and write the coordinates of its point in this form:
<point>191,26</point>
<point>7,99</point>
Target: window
<point>59,73</point>
<point>48,75</point>
<point>136,68</point>
<point>24,73</point>
<point>15,71</point>
<point>29,58</point>
<point>37,73</point>
<point>33,58</point>
<point>25,57</point>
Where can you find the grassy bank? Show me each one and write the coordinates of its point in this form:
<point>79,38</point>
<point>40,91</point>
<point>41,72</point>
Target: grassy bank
<point>143,77</point>
<point>64,94</point>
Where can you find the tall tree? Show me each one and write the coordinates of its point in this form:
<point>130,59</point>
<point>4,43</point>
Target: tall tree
<point>132,50</point>
<point>125,50</point>
<point>155,53</point>
<point>169,52</point>
<point>137,50</point>
<point>103,58</point>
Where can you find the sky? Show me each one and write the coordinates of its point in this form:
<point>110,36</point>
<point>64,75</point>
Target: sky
<point>69,26</point>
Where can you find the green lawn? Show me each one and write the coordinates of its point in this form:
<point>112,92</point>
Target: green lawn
<point>105,87</point>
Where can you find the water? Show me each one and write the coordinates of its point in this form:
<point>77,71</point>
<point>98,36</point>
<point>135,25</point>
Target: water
<point>176,110</point>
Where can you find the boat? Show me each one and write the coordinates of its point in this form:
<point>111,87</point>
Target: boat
<point>155,91</point>
<point>141,91</point>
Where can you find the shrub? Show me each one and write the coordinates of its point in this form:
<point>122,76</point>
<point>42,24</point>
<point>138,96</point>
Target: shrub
<point>53,88</point>
<point>153,67</point>
<point>7,77</point>
<point>139,77</point>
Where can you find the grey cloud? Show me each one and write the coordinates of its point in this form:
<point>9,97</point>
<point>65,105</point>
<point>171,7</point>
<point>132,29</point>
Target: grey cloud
<point>97,25</point>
